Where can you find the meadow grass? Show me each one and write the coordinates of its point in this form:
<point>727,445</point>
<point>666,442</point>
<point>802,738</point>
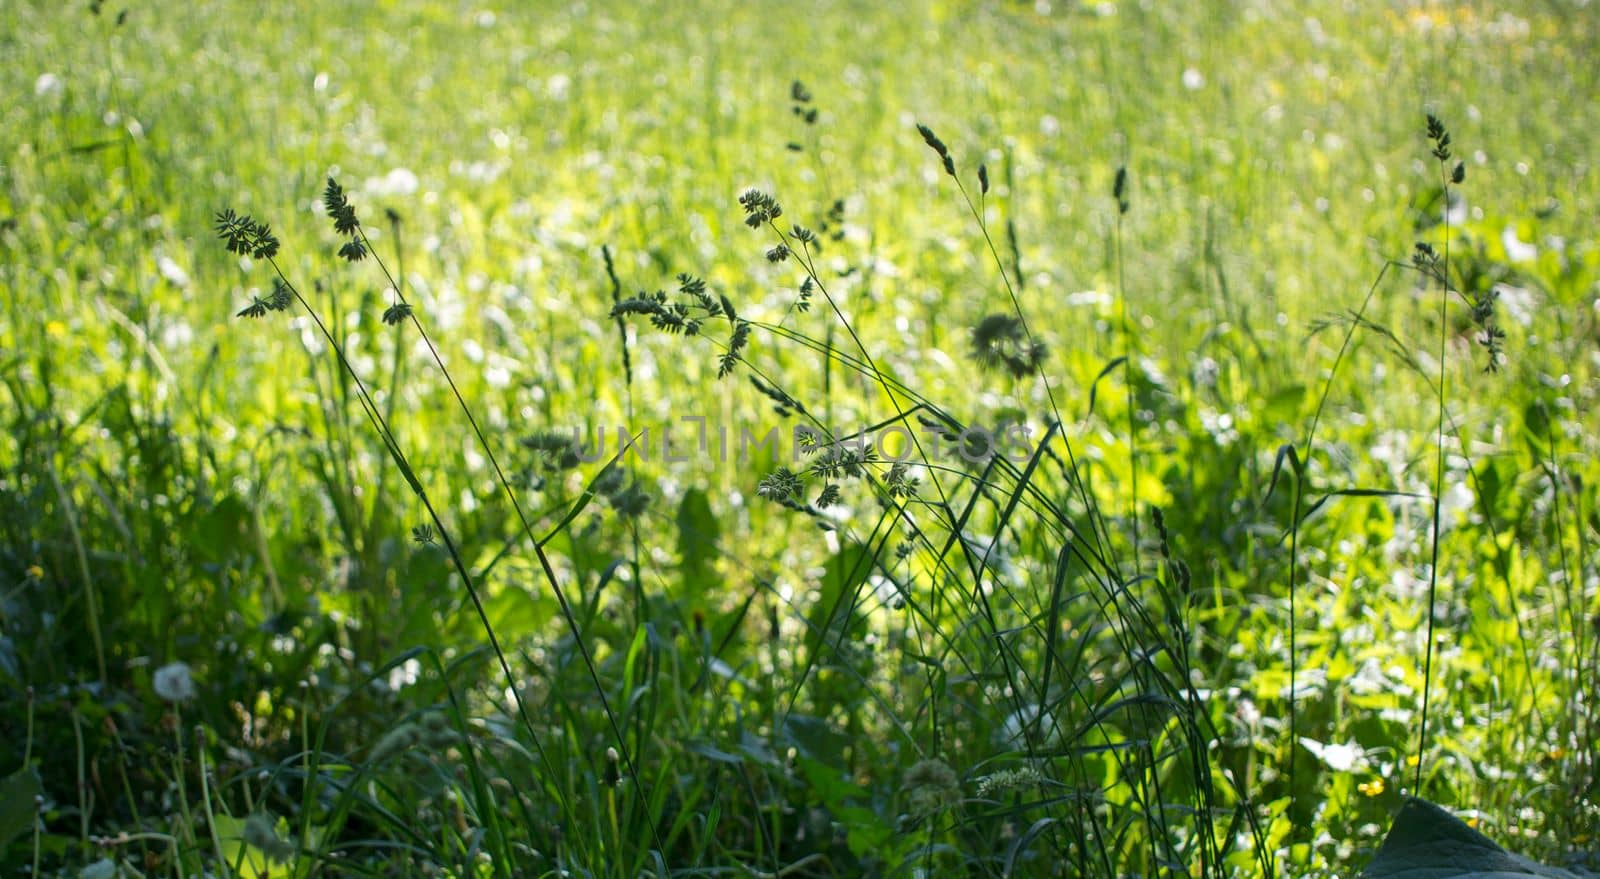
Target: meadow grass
<point>313,566</point>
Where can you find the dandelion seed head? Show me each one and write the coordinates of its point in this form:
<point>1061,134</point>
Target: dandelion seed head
<point>174,682</point>
<point>48,86</point>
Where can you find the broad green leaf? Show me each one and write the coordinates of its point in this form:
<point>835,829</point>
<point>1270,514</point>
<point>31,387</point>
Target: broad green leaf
<point>834,617</point>
<point>710,752</point>
<point>250,862</point>
<point>867,830</point>
<point>1426,842</point>
<point>17,808</point>
<point>812,736</point>
<point>217,532</point>
<point>698,533</point>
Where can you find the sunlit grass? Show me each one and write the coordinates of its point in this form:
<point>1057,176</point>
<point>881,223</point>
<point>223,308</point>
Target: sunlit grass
<point>185,485</point>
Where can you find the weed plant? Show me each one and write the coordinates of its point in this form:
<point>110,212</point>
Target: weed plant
<point>364,591</point>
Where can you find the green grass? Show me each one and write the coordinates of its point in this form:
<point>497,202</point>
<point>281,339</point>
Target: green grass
<point>738,686</point>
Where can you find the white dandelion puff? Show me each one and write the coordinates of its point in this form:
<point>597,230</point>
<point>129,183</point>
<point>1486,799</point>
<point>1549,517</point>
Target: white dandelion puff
<point>174,682</point>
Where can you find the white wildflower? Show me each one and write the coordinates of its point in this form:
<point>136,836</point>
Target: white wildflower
<point>1346,757</point>
<point>1518,302</point>
<point>173,272</point>
<point>1517,250</point>
<point>48,85</point>
<point>399,182</point>
<point>1369,679</point>
<point>1020,725</point>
